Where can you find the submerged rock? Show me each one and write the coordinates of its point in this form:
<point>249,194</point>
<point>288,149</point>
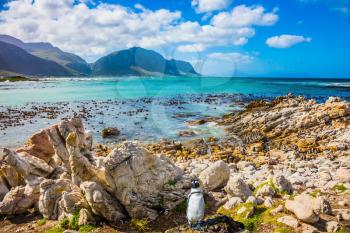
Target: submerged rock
<point>110,132</point>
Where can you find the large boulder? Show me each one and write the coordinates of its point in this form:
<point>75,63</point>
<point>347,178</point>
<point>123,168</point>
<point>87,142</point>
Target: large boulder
<point>18,200</point>
<point>102,203</point>
<point>129,182</point>
<point>59,198</point>
<point>236,187</point>
<point>145,182</point>
<point>215,176</point>
<point>10,176</point>
<point>39,146</point>
<point>72,145</point>
<point>305,207</point>
<point>3,188</point>
<point>29,167</point>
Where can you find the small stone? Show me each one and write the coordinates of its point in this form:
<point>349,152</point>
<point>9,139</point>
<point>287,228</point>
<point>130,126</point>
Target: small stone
<point>232,203</point>
<point>289,221</point>
<point>282,184</point>
<point>268,202</point>
<point>332,226</point>
<point>277,210</point>
<point>343,215</point>
<point>343,203</point>
<point>343,174</point>
<point>265,191</point>
<point>246,211</point>
<point>86,218</point>
<point>252,200</point>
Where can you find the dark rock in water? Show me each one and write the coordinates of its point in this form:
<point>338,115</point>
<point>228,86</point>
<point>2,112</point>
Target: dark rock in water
<point>186,133</point>
<point>110,132</point>
<point>221,223</point>
<point>197,122</point>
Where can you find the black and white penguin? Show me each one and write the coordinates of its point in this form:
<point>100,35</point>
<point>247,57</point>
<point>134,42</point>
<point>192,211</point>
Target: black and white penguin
<point>195,204</point>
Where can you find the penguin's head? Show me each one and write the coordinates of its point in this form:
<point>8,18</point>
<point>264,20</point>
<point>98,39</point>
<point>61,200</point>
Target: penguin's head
<point>195,184</point>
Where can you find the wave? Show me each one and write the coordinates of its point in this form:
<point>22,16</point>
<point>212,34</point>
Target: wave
<point>346,85</point>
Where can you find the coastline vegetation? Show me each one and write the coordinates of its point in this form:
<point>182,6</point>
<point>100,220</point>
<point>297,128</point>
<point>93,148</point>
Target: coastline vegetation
<point>16,79</point>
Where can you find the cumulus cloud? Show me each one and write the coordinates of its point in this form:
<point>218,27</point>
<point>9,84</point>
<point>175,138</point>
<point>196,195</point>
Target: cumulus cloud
<point>75,26</point>
<point>286,41</point>
<point>203,6</point>
<point>242,16</point>
<point>231,57</point>
<point>191,48</point>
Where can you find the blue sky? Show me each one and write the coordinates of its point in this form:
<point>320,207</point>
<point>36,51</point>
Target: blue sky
<point>288,38</point>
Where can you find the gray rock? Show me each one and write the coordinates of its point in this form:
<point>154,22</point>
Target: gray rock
<point>215,176</point>
<point>277,210</point>
<point>252,200</point>
<point>289,221</point>
<point>145,181</point>
<point>268,202</point>
<point>31,168</point>
<point>303,207</point>
<point>102,203</point>
<point>86,218</point>
<point>18,200</point>
<point>236,187</point>
<point>3,188</point>
<point>232,203</point>
<point>282,184</point>
<point>265,191</point>
<point>60,198</point>
<point>332,226</point>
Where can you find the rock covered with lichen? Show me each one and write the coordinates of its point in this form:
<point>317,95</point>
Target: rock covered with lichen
<point>66,176</point>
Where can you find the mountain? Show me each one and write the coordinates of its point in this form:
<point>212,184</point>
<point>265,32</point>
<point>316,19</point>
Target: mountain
<point>47,60</point>
<point>74,64</point>
<point>17,60</point>
<point>139,61</point>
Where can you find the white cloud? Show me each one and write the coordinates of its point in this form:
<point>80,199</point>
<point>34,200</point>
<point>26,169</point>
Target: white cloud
<point>242,15</point>
<point>286,41</point>
<point>203,6</point>
<point>231,57</point>
<point>191,48</point>
<point>92,32</point>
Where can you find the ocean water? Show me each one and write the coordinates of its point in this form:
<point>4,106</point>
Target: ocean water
<point>143,108</point>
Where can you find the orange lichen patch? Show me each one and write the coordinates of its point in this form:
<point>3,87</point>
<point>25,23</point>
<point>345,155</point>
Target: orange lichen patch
<point>71,138</point>
<point>306,145</point>
<point>102,150</point>
<point>257,104</point>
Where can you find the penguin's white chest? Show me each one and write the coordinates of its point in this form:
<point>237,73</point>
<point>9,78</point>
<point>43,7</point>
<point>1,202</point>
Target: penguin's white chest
<point>195,207</point>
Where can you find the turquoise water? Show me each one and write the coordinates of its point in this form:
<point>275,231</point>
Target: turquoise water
<point>143,108</point>
<point>77,89</point>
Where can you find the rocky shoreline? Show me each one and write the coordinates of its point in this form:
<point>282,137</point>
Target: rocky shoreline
<point>284,166</point>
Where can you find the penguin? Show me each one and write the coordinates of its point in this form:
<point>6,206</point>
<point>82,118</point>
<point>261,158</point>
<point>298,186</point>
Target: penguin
<point>195,204</point>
